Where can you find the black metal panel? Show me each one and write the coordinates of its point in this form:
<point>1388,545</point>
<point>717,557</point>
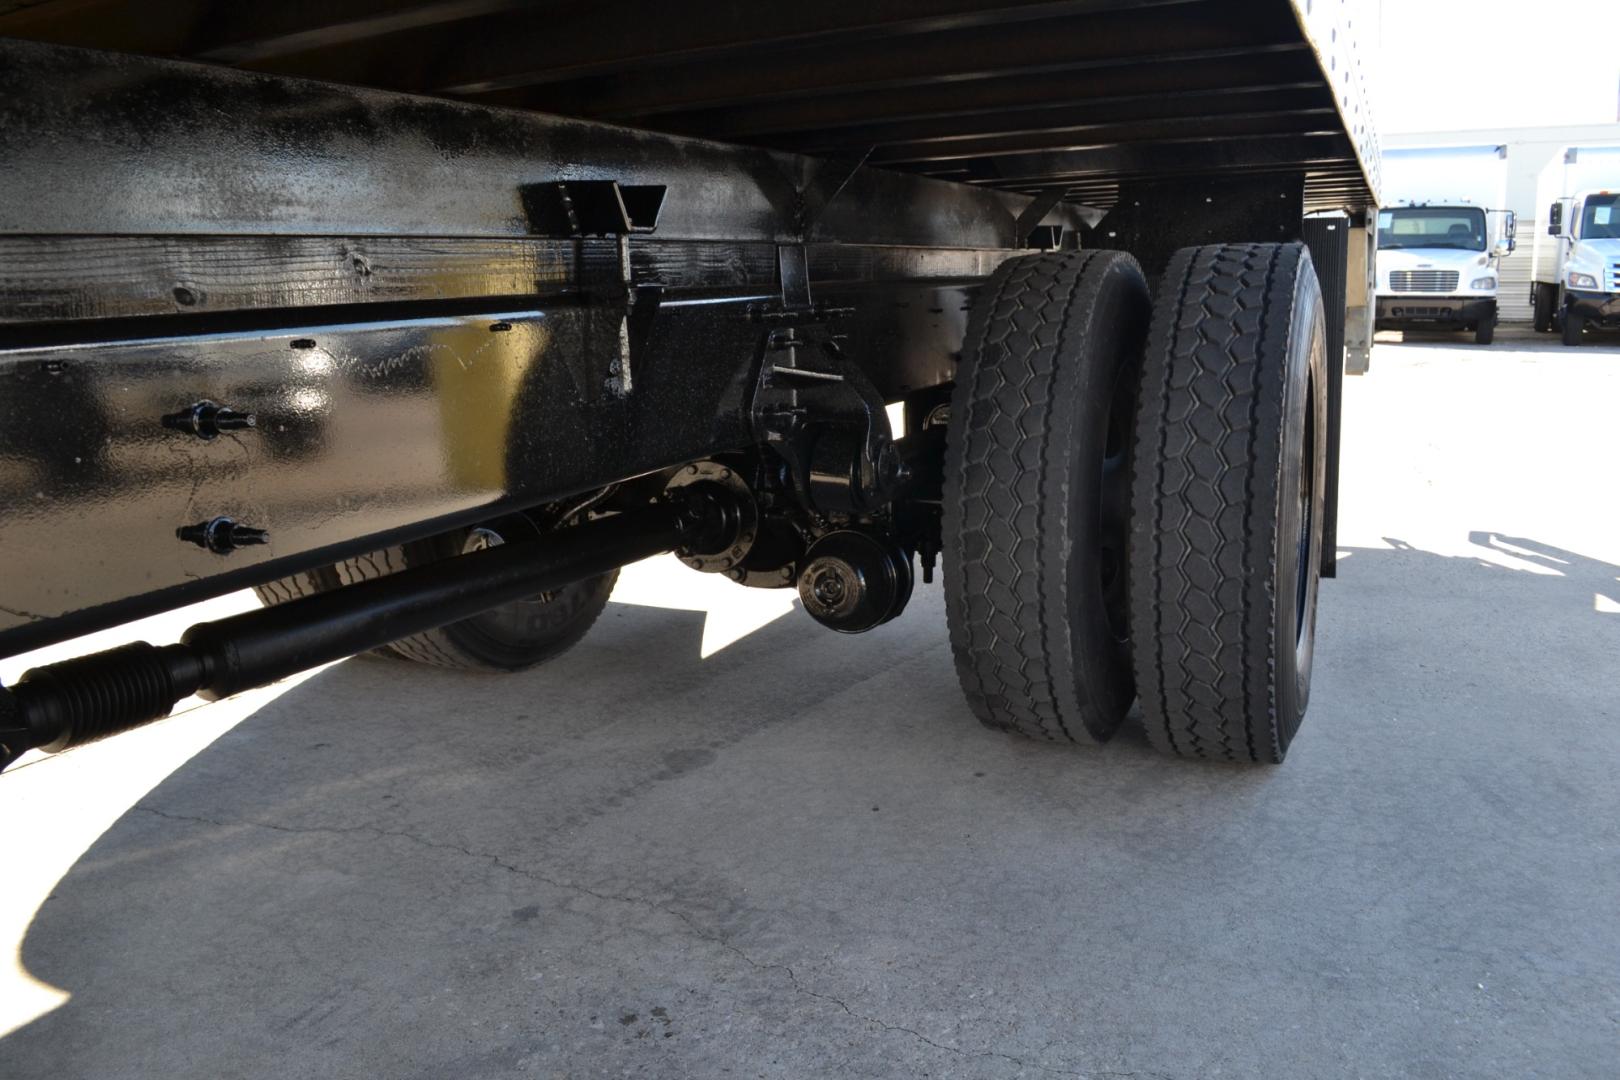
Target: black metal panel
<point>1154,219</point>
<point>538,48</point>
<point>371,429</point>
<point>838,77</point>
<point>1155,160</point>
<point>56,279</point>
<point>1068,125</point>
<point>1190,133</point>
<point>96,143</point>
<point>794,119</point>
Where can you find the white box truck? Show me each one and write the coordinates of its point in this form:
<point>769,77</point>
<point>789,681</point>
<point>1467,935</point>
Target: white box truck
<point>1575,264</point>
<point>1441,238</point>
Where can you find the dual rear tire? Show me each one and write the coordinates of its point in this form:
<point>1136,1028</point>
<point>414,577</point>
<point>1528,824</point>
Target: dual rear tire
<point>1132,512</point>
<point>1127,522</point>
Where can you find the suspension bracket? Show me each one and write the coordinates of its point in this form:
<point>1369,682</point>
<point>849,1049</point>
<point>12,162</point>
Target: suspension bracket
<point>823,417</point>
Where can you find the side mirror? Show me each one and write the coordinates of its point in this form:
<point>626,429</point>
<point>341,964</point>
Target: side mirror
<point>1510,231</point>
<point>1555,219</point>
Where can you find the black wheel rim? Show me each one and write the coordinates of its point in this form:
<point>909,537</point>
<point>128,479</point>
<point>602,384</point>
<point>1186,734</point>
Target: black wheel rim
<point>1113,513</point>
<point>1307,522</point>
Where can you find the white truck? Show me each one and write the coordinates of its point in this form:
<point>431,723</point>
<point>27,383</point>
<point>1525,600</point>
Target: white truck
<point>1441,238</point>
<point>1575,265</point>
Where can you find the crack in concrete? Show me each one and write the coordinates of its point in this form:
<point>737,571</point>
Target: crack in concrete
<point>21,613</point>
<point>642,902</point>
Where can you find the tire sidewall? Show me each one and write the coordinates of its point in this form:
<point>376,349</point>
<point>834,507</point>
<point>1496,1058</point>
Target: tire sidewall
<point>1030,601</point>
<point>1572,326</point>
<point>1101,656</point>
<point>1544,309</point>
<point>1304,413</point>
<point>520,633</point>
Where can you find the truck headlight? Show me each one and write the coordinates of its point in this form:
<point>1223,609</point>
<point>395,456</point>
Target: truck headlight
<point>1483,283</point>
<point>1578,280</point>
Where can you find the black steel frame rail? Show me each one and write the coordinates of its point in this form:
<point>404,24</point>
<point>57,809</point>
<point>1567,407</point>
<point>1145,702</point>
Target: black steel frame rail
<point>114,145</point>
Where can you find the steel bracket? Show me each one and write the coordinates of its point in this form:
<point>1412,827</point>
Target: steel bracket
<point>592,207</point>
<point>823,417</point>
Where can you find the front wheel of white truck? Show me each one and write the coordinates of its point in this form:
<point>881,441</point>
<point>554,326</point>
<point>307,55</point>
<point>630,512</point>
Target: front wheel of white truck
<point>1544,302</point>
<point>1572,327</point>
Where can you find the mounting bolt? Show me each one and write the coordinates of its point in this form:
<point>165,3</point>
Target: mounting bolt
<point>206,420</point>
<point>221,535</point>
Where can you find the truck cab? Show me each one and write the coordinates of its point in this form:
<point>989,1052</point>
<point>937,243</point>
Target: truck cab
<point>1587,228</point>
<point>1437,267</point>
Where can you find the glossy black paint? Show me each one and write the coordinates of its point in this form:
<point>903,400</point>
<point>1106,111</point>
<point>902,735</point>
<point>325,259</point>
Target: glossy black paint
<point>338,318</point>
<point>408,295</point>
<point>1156,217</point>
<point>109,144</point>
<point>62,705</point>
<point>369,429</point>
<point>924,85</point>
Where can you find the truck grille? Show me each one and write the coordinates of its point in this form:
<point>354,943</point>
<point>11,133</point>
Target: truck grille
<point>1423,280</point>
<point>1614,276</point>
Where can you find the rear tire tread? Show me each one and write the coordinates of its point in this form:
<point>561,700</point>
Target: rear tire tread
<point>1573,325</point>
<point>1004,552</point>
<point>296,586</point>
<point>1202,552</point>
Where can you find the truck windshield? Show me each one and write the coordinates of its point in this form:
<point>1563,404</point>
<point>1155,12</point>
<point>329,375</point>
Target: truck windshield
<point>1461,227</point>
<point>1601,218</point>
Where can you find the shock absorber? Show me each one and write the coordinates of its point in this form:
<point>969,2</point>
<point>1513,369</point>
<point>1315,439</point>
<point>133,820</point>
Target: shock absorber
<point>76,701</point>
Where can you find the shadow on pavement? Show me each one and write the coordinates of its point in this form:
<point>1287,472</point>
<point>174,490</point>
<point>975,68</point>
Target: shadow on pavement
<point>801,857</point>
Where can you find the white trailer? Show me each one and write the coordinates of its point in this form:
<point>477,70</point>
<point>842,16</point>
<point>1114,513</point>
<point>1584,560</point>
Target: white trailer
<point>1575,264</point>
<point>1442,234</point>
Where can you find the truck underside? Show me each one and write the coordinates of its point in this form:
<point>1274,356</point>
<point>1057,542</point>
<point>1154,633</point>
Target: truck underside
<point>434,336</point>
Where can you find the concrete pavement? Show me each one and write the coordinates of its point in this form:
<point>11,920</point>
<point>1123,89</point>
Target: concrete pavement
<point>717,841</point>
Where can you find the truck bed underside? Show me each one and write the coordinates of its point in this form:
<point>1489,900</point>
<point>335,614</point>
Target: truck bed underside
<point>1080,97</point>
<point>505,254</point>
